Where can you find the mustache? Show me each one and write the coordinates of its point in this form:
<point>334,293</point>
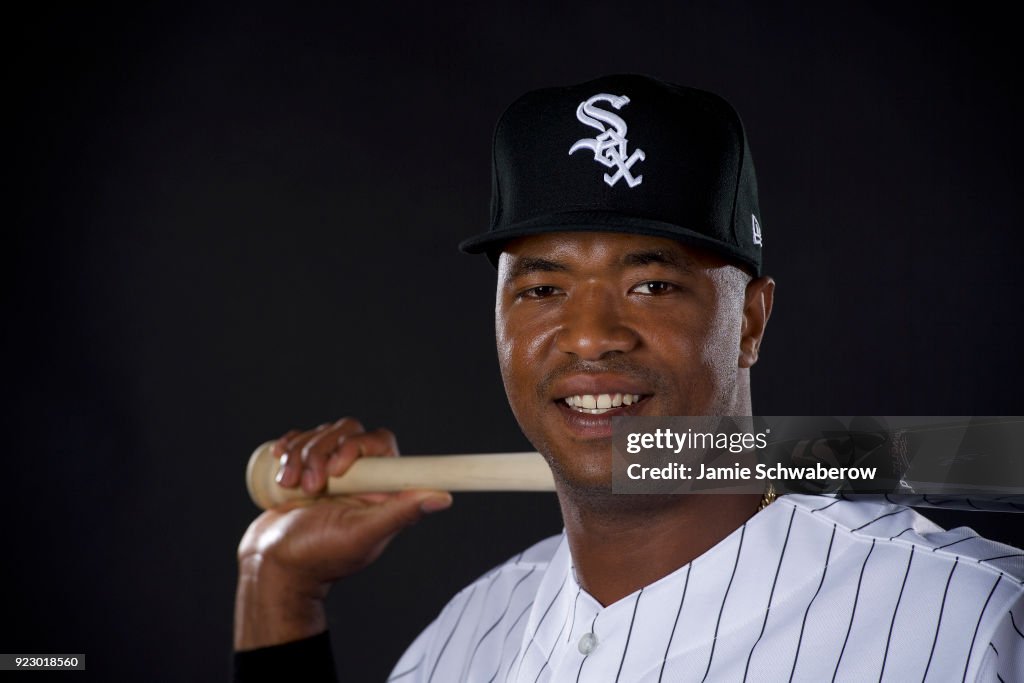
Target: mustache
<point>619,365</point>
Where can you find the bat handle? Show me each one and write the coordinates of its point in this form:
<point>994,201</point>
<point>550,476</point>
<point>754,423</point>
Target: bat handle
<point>477,472</point>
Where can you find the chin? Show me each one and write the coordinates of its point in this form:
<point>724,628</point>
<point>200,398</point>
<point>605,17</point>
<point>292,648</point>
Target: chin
<point>576,472</point>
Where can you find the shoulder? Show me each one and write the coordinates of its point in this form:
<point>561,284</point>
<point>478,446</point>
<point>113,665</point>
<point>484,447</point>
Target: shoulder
<point>535,559</point>
<point>880,532</point>
<point>520,572</point>
<point>950,596</point>
<point>518,576</point>
<point>884,524</point>
<point>500,598</point>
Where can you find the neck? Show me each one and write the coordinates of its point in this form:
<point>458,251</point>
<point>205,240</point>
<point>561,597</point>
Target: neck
<point>623,542</point>
<point>619,547</point>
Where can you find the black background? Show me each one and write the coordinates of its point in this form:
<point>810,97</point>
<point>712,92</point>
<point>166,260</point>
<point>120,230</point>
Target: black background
<point>229,222</point>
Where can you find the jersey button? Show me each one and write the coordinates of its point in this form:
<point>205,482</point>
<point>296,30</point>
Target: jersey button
<point>587,643</point>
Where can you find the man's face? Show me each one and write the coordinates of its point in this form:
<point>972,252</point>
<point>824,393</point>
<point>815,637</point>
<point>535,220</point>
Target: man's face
<point>593,325</point>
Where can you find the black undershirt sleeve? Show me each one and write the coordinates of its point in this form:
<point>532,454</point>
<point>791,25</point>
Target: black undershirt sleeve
<point>309,660</point>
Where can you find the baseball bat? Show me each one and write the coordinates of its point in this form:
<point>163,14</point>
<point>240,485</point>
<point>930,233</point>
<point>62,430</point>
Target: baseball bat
<point>475,472</point>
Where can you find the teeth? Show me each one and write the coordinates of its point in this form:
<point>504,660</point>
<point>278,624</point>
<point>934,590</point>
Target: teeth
<point>601,403</point>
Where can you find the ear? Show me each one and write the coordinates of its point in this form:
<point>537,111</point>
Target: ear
<point>757,308</point>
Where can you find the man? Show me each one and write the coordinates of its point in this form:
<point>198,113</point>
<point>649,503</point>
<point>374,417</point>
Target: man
<point>627,237</point>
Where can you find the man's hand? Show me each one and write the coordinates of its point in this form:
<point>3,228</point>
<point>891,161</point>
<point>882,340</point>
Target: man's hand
<point>290,556</point>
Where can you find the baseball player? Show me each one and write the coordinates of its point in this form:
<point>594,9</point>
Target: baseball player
<point>627,238</point>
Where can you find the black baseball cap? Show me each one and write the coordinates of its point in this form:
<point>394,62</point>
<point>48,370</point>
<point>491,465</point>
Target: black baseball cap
<point>624,153</point>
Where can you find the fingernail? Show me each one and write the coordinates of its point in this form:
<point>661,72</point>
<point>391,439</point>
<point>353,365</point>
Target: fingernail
<point>280,475</point>
<point>436,504</point>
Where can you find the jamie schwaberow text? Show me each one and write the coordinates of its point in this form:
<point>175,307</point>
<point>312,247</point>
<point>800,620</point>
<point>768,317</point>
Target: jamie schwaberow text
<point>760,471</point>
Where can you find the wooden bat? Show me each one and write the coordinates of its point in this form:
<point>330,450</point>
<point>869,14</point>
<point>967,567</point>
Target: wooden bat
<point>476,472</point>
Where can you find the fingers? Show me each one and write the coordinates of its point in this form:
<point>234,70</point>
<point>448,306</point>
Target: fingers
<point>376,444</point>
<point>286,469</point>
<point>308,458</point>
<point>303,454</point>
<point>288,449</point>
<point>317,447</point>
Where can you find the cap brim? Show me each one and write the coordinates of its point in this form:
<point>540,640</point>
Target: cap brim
<point>492,241</point>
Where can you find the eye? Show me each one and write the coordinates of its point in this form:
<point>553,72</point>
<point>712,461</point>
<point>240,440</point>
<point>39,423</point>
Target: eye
<point>538,292</point>
<point>654,287</point>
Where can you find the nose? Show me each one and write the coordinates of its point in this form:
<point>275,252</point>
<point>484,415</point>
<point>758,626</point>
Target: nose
<point>594,327</point>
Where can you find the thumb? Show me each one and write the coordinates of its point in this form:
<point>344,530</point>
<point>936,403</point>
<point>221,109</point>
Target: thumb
<point>433,501</point>
<point>403,509</point>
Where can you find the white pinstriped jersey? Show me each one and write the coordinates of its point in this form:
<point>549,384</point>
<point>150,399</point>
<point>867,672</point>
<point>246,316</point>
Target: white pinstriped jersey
<point>810,589</point>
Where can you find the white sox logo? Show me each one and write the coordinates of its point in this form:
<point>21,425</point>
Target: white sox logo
<point>610,146</point>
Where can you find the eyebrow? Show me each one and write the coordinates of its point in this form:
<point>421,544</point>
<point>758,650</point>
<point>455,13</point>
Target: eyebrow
<point>528,265</point>
<point>531,264</point>
<point>661,257</point>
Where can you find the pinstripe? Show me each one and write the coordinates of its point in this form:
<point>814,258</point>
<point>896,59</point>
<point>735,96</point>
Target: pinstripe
<point>938,624</point>
<point>880,517</point>
<point>586,656</point>
<point>974,637</point>
<point>1014,624</point>
<point>575,602</point>
<point>895,610</point>
<point>629,634</point>
<point>961,540</point>
<point>451,633</point>
<point>675,623</point>
<point>494,574</point>
<point>580,671</point>
<point>803,625</point>
<point>721,608</point>
<point>771,594</point>
<point>521,615</point>
<point>554,644</point>
<point>493,626</point>
<point>507,634</point>
<point>1000,557</point>
<point>853,612</point>
<point>540,623</point>
<point>826,507</point>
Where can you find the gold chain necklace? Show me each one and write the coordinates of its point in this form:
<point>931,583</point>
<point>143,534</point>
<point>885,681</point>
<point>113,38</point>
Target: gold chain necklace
<point>768,498</point>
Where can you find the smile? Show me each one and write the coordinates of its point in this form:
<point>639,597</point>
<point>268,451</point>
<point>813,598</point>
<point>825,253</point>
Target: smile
<point>596,404</point>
